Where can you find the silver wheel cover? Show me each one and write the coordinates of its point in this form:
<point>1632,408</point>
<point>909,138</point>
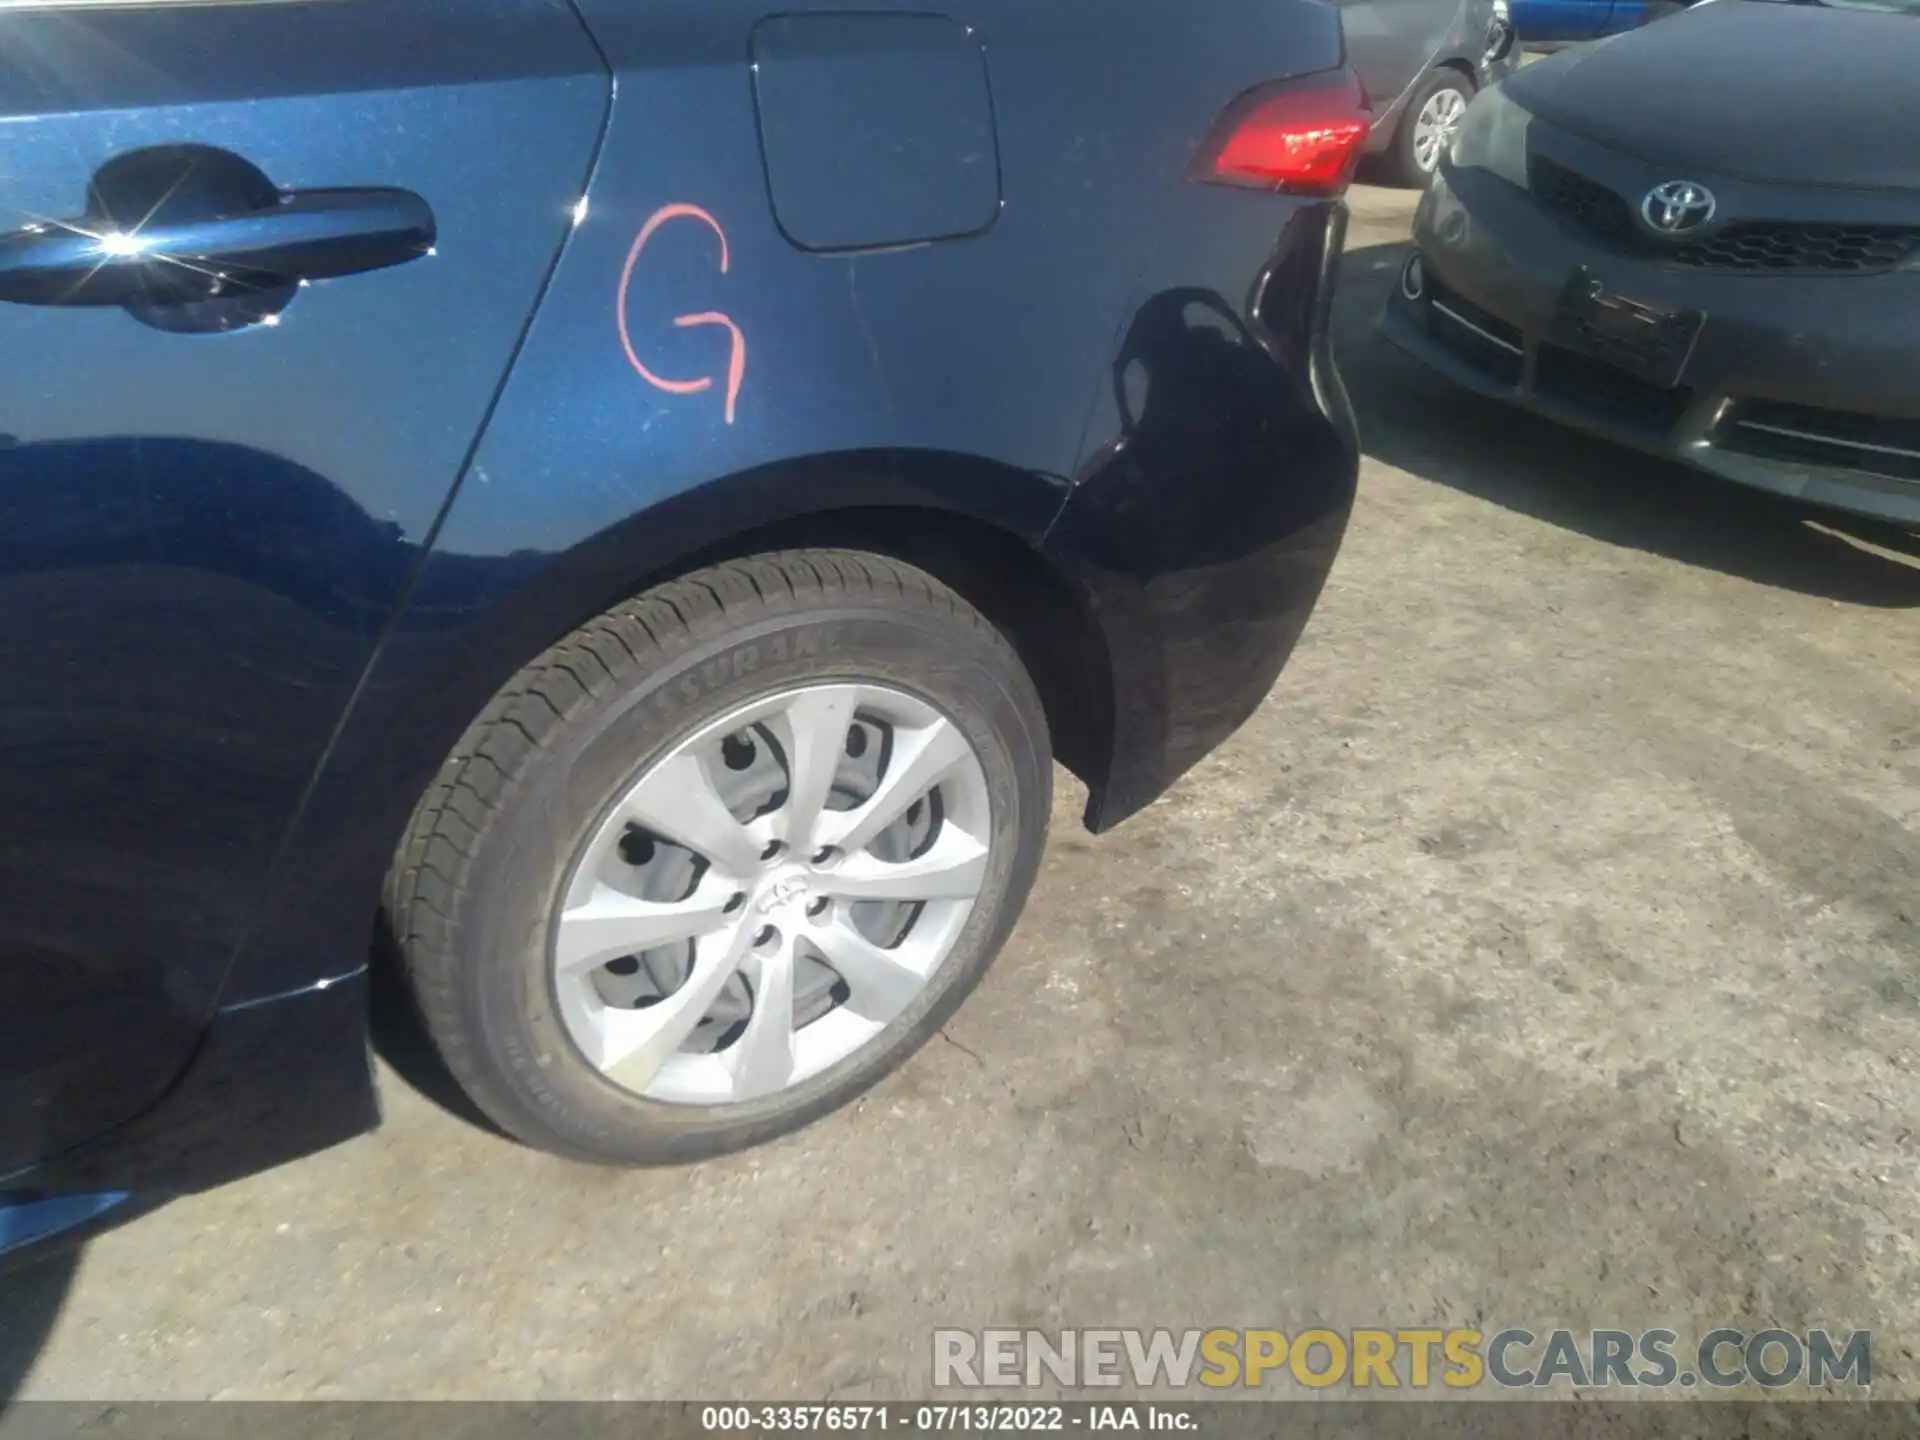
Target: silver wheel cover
<point>764,898</point>
<point>1433,127</point>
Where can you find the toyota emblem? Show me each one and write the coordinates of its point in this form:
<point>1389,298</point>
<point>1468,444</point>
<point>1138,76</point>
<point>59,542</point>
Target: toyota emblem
<point>1678,207</point>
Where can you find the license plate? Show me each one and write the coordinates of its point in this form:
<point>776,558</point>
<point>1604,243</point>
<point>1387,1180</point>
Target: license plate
<point>1648,342</point>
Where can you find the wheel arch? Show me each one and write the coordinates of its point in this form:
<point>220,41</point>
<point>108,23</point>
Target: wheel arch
<point>974,523</point>
<point>1388,124</point>
<point>473,622</point>
<point>1047,617</point>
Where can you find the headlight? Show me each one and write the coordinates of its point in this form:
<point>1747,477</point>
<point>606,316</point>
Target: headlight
<point>1493,136</point>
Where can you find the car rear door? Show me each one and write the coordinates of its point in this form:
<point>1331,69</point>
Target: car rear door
<point>1390,42</point>
<point>263,268</point>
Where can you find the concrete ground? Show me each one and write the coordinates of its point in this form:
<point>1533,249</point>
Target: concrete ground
<point>1543,953</point>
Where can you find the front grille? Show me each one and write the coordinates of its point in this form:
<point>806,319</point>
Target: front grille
<point>1778,245</point>
<point>1607,392</point>
<point>1587,203</point>
<point>1810,435</point>
<point>1750,246</point>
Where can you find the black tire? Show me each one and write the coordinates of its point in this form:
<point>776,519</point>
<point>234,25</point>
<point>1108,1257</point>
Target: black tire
<point>475,882</point>
<point>1404,166</point>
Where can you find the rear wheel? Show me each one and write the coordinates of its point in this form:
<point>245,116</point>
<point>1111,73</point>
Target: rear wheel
<point>725,856</point>
<point>1427,127</point>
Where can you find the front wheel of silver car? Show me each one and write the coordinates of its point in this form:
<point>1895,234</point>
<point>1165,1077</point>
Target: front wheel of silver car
<point>723,857</point>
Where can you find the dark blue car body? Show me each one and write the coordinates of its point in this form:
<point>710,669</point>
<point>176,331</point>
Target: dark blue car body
<point>697,281</point>
<point>1558,22</point>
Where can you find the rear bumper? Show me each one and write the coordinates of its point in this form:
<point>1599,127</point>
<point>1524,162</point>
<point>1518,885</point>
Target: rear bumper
<point>1205,526</point>
<point>1807,386</point>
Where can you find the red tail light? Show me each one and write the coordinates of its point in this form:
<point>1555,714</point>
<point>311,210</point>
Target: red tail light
<point>1302,137</point>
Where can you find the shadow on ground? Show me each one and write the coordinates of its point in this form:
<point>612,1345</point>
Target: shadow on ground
<point>30,1303</point>
<point>1419,422</point>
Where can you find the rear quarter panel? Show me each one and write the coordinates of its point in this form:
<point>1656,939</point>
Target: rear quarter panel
<point>992,347</point>
<point>987,345</point>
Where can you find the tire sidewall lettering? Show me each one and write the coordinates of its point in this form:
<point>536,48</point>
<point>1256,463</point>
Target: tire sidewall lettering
<point>695,684</point>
